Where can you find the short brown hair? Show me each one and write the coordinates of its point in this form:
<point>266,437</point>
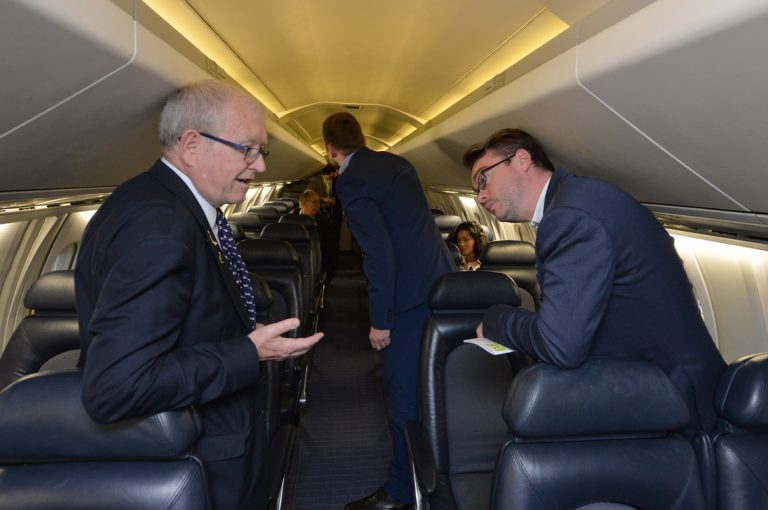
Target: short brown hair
<point>343,132</point>
<point>507,141</point>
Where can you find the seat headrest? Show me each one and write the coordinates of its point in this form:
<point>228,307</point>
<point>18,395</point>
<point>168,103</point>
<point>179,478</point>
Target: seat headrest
<point>742,393</point>
<point>508,253</point>
<point>473,292</point>
<point>267,252</point>
<point>600,397</point>
<point>291,232</point>
<point>447,222</point>
<point>267,212</point>
<point>246,219</point>
<point>53,292</point>
<point>293,202</point>
<point>300,219</point>
<point>42,417</point>
<point>281,207</point>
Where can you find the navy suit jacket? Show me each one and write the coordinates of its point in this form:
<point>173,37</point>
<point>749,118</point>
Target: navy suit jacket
<point>612,286</point>
<point>388,214</point>
<point>163,326</point>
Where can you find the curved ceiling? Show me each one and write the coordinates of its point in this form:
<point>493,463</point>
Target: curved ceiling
<point>395,64</point>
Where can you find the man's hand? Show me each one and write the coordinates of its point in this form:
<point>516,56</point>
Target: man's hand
<point>379,338</point>
<point>479,330</point>
<point>271,346</point>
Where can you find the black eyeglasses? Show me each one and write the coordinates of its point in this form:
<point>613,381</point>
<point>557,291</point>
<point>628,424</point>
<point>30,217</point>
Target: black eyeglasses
<point>250,154</point>
<point>482,179</point>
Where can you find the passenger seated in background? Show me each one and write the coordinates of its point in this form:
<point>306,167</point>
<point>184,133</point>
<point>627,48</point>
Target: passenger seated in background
<point>471,239</point>
<point>165,305</point>
<point>612,283</point>
<point>309,203</point>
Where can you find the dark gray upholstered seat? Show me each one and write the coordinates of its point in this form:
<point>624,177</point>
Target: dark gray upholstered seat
<point>462,389</point>
<point>516,259</point>
<point>282,207</point>
<point>311,225</point>
<point>601,434</point>
<point>741,452</point>
<point>446,223</point>
<point>48,338</point>
<point>268,213</point>
<point>455,252</point>
<point>53,456</point>
<point>298,236</point>
<point>250,222</point>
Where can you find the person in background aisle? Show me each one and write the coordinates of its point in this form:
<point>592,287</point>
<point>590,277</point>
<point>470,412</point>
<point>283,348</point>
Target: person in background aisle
<point>165,304</point>
<point>471,239</point>
<point>612,283</point>
<point>309,203</point>
<point>404,254</point>
<point>329,219</point>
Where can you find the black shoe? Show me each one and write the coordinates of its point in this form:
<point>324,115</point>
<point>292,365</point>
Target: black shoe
<point>379,500</point>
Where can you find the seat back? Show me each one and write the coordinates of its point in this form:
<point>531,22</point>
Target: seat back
<point>282,207</point>
<point>48,338</point>
<point>600,435</point>
<point>741,452</point>
<point>250,222</point>
<point>446,223</point>
<point>268,213</point>
<point>516,259</point>
<point>298,236</point>
<point>462,388</point>
<point>316,250</point>
<point>53,456</point>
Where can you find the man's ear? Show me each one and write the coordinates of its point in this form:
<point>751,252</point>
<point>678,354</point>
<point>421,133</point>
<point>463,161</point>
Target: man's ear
<point>189,144</point>
<point>525,158</point>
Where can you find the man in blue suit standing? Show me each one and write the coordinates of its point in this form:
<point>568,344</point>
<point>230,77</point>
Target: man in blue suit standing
<point>612,283</point>
<point>165,305</point>
<point>404,254</point>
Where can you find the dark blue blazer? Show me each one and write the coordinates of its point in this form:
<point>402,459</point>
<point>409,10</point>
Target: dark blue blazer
<point>163,326</point>
<point>613,286</point>
<point>388,214</point>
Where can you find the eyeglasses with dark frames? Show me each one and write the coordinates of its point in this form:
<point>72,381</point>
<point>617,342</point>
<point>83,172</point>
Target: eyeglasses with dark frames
<point>250,154</point>
<point>482,179</point>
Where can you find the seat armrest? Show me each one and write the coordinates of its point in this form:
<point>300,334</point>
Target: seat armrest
<point>425,468</point>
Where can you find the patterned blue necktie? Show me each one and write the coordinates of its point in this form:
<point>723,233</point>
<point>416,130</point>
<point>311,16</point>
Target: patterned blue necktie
<point>236,265</point>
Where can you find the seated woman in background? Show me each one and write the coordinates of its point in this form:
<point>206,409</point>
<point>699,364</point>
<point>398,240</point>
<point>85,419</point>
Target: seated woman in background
<point>471,239</point>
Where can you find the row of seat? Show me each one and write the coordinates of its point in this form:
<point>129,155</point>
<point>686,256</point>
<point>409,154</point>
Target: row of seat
<point>501,432</point>
<point>39,384</point>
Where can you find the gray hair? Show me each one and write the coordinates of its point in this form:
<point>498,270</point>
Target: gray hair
<point>199,106</point>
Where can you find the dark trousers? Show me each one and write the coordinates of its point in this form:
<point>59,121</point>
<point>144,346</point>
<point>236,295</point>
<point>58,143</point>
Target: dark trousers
<point>400,373</point>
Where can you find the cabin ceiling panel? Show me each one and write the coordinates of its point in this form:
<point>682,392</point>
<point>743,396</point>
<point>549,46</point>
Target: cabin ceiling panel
<point>704,101</point>
<point>46,64</point>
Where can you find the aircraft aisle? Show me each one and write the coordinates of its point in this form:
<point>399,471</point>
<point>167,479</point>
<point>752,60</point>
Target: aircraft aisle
<point>344,445</point>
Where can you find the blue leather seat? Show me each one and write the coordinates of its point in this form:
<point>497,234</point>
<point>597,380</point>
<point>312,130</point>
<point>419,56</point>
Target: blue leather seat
<point>462,388</point>
<point>53,456</point>
<point>516,259</point>
<point>741,451</point>
<point>49,337</point>
<point>601,434</point>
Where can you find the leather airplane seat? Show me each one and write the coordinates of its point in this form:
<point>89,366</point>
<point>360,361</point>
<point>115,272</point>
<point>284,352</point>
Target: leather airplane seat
<point>250,223</point>
<point>741,451</point>
<point>48,338</point>
<point>462,389</point>
<point>516,259</point>
<point>603,435</point>
<point>446,223</point>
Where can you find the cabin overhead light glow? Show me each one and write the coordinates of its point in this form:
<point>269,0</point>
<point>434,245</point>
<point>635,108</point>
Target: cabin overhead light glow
<point>188,23</point>
<point>542,28</point>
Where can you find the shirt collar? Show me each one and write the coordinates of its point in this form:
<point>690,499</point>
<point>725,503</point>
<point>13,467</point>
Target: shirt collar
<point>208,209</point>
<point>538,213</point>
<point>345,163</point>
